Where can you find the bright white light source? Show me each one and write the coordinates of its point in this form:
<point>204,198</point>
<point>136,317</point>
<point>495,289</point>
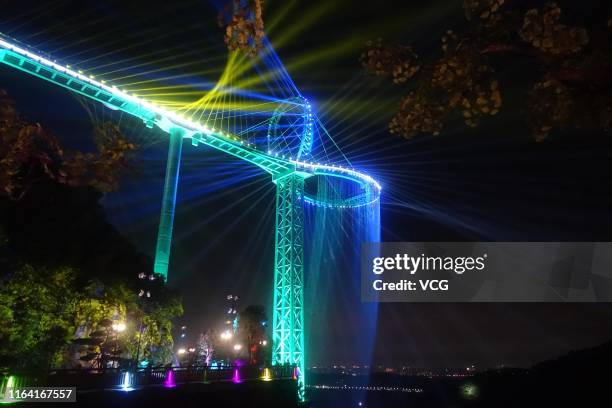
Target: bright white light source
<point>226,335</point>
<point>119,327</point>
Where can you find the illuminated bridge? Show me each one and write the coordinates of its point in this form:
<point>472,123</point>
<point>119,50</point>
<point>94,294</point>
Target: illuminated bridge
<point>286,153</point>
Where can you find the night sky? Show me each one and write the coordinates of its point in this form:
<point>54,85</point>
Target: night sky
<point>493,183</point>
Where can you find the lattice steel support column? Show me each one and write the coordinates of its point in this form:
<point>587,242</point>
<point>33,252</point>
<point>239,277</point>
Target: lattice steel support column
<point>288,316</point>
<point>166,218</point>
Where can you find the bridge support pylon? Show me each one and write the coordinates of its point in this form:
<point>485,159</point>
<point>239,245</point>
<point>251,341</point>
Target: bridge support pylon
<point>166,218</point>
<point>288,313</point>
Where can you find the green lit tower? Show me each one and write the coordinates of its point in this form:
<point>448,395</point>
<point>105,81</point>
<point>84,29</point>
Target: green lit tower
<point>166,218</point>
<point>288,314</point>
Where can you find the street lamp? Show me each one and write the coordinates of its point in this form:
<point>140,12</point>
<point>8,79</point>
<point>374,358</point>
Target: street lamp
<point>119,327</point>
<point>226,335</point>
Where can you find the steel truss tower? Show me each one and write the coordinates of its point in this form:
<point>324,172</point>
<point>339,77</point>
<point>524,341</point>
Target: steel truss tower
<point>288,314</point>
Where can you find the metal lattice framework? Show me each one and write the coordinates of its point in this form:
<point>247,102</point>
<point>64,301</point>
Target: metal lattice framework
<point>288,318</point>
<point>288,175</point>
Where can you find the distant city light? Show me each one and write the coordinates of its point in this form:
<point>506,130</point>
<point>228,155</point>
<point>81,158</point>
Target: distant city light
<point>226,335</point>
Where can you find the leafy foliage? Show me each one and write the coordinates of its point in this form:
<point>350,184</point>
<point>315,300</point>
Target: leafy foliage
<point>574,89</point>
<point>49,200</point>
<point>37,307</point>
<point>66,274</point>
<point>49,321</point>
<point>544,32</point>
<point>397,60</point>
<point>244,27</point>
<point>251,328</point>
<point>148,332</point>
<point>28,153</point>
<point>104,169</point>
<point>205,347</point>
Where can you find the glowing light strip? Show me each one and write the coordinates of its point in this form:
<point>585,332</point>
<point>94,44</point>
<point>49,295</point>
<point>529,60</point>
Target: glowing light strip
<point>317,203</point>
<point>338,169</point>
<point>175,118</point>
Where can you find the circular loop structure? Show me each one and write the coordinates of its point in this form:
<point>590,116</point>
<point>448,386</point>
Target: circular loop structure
<point>290,128</point>
<point>342,187</point>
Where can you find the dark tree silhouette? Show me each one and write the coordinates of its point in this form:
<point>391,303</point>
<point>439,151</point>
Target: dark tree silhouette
<point>572,65</point>
<point>64,269</point>
<point>29,154</point>
<point>244,26</point>
<point>252,327</point>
